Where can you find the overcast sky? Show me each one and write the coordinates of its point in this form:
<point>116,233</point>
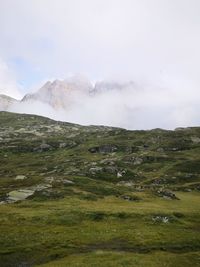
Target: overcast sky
<point>155,42</point>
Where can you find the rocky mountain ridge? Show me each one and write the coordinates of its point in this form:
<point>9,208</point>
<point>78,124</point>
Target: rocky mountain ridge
<point>60,94</point>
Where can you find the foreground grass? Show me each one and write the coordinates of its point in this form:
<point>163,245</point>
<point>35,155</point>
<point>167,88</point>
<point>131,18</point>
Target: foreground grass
<point>98,233</point>
<point>122,259</point>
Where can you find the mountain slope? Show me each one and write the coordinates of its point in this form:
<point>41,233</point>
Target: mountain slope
<point>70,193</point>
<point>6,102</point>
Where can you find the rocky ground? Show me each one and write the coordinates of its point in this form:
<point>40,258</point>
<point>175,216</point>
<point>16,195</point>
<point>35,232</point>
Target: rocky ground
<point>73,195</point>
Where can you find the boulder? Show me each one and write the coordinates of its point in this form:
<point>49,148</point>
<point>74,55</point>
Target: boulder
<point>20,177</point>
<point>95,170</point>
<point>111,169</point>
<point>119,175</point>
<point>67,182</point>
<point>62,145</point>
<point>126,183</point>
<point>159,218</point>
<point>137,161</point>
<point>130,198</point>
<point>43,147</point>
<point>195,139</point>
<point>167,194</point>
<point>103,149</point>
<point>20,194</point>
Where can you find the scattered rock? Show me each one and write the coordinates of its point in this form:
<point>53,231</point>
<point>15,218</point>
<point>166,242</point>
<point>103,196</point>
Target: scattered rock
<point>62,145</point>
<point>49,179</point>
<point>137,161</point>
<point>43,147</point>
<point>162,219</point>
<point>18,195</point>
<point>174,148</point>
<point>95,170</point>
<point>130,198</point>
<point>195,139</point>
<point>109,162</point>
<point>126,183</point>
<point>167,194</point>
<point>20,177</point>
<point>103,149</point>
<point>187,190</point>
<point>119,175</point>
<point>111,169</point>
<point>40,187</point>
<point>68,182</point>
<point>160,150</point>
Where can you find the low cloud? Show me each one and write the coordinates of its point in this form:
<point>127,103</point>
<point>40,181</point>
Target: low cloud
<point>134,107</point>
<point>8,84</point>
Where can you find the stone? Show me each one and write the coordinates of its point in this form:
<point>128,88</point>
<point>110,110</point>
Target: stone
<point>20,177</point>
<point>160,150</point>
<point>40,187</point>
<point>103,149</point>
<point>137,161</point>
<point>119,175</point>
<point>167,194</point>
<point>109,161</point>
<point>111,169</point>
<point>130,198</point>
<point>68,182</point>
<point>43,147</point>
<point>162,219</point>
<point>95,170</point>
<point>20,194</point>
<point>125,183</point>
<point>195,139</point>
<point>62,145</point>
<point>50,179</point>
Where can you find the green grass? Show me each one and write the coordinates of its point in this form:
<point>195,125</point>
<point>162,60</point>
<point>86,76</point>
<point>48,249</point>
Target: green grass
<point>42,231</point>
<point>89,222</point>
<point>101,258</point>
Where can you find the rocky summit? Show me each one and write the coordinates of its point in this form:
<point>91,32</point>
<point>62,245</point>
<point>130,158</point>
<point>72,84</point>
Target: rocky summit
<point>62,94</point>
<point>73,195</point>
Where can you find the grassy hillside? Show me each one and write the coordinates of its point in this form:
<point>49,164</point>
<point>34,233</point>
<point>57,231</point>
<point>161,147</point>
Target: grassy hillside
<point>73,195</point>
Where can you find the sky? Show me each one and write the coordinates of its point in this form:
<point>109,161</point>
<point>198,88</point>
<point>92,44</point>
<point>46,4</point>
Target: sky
<point>153,42</point>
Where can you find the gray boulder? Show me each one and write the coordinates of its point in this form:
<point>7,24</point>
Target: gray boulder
<point>95,170</point>
<point>103,149</point>
<point>20,177</point>
<point>167,194</point>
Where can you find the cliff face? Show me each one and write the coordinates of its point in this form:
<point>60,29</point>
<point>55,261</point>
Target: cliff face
<point>60,94</point>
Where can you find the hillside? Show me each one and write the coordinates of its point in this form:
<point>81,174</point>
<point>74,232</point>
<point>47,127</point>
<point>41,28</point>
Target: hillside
<point>76,195</point>
<point>6,102</point>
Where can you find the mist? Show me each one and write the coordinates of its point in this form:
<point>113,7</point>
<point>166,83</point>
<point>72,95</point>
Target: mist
<point>139,106</point>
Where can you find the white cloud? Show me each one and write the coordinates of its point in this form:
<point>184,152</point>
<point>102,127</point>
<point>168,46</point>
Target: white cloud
<point>104,38</point>
<point>134,107</point>
<point>8,84</point>
<point>154,42</point>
